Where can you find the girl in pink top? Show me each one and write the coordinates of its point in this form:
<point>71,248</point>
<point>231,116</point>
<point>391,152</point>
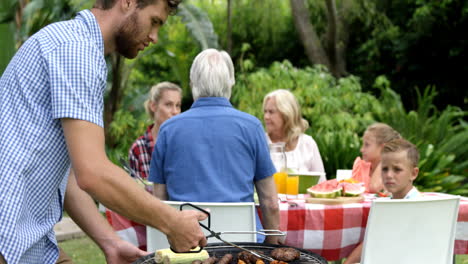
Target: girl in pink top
<point>368,169</point>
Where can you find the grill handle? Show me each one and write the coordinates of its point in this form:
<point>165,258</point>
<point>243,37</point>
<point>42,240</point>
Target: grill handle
<point>265,232</point>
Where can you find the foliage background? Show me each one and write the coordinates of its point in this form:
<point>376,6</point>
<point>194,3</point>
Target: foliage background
<point>404,59</point>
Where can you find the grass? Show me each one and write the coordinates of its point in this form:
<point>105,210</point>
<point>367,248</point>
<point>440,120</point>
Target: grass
<point>84,251</point>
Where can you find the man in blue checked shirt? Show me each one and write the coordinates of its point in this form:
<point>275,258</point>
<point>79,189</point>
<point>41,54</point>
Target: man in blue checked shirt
<point>51,109</point>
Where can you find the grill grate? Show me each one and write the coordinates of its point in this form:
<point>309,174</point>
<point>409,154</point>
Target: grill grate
<point>220,249</point>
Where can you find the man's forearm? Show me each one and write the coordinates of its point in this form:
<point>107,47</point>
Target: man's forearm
<point>120,193</point>
<point>271,219</point>
<point>114,188</point>
<point>81,208</point>
<point>268,198</point>
<point>270,213</point>
<point>108,183</point>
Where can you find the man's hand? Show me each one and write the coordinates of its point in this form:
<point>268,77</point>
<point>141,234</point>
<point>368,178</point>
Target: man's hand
<point>185,232</point>
<point>123,252</point>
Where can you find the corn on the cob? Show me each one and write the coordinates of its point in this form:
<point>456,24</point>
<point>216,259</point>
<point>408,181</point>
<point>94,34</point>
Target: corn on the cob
<point>167,256</point>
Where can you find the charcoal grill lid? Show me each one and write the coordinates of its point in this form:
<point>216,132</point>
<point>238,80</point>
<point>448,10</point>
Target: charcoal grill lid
<point>220,249</point>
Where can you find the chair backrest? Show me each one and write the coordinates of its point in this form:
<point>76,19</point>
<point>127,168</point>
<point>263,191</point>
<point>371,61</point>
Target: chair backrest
<point>224,217</point>
<point>411,231</point>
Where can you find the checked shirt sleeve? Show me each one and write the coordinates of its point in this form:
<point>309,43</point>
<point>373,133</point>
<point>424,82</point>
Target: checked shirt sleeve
<point>139,159</point>
<point>77,81</point>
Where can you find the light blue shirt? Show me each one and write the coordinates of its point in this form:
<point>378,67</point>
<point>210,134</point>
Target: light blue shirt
<point>59,72</point>
<point>413,193</point>
<point>211,153</point>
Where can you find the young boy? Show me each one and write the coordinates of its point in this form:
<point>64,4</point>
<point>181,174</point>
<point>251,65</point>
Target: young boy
<point>399,169</point>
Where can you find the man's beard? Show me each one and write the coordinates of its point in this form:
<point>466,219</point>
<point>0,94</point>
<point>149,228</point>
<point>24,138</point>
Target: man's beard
<point>125,41</point>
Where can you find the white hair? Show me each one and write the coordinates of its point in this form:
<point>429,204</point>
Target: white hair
<point>212,74</point>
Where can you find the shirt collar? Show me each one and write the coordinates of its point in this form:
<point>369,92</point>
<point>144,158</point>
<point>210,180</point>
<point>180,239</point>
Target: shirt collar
<point>413,193</point>
<point>211,101</point>
<point>90,21</point>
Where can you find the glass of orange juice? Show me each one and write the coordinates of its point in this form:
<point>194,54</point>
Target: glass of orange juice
<point>292,186</point>
<point>280,180</point>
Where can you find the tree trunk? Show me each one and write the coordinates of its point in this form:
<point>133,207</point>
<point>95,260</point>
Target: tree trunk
<point>115,96</point>
<point>343,37</point>
<point>311,42</point>
<point>332,35</point>
<point>19,22</point>
<point>229,28</point>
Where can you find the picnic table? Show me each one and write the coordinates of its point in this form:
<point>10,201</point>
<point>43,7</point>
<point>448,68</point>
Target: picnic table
<point>333,231</point>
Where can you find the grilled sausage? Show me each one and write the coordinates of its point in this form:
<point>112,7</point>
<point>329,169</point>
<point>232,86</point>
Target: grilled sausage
<point>226,259</point>
<point>210,260</point>
<point>285,254</point>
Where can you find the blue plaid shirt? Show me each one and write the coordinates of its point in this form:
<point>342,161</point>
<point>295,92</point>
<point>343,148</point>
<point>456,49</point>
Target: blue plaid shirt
<point>60,72</point>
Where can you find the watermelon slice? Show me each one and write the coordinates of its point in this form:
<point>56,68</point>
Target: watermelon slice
<point>326,189</point>
<point>352,189</point>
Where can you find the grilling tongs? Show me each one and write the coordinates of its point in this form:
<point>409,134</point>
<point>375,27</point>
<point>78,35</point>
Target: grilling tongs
<point>266,232</point>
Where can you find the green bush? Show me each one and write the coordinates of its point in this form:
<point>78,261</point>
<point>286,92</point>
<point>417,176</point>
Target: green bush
<point>127,127</point>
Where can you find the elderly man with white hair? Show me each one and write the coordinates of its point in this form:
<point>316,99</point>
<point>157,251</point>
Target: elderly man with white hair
<point>213,152</point>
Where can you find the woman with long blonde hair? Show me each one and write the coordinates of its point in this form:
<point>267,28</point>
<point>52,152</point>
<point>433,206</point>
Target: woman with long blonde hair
<point>284,123</point>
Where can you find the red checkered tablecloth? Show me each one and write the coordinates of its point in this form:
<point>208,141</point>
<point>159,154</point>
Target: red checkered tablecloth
<point>333,231</point>
<point>128,230</point>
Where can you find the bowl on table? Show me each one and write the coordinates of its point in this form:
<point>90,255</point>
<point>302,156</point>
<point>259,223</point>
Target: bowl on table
<point>307,179</point>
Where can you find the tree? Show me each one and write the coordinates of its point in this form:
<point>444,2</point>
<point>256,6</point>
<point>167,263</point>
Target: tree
<point>416,44</point>
<point>8,45</point>
<point>331,53</point>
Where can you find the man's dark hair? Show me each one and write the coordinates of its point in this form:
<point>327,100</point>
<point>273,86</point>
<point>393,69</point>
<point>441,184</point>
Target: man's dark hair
<point>108,4</point>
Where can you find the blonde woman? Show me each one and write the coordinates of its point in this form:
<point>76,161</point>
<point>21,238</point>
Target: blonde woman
<point>284,123</point>
<point>163,103</point>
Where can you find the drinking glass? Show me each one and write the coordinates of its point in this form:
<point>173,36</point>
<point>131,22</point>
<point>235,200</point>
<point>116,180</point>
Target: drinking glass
<point>278,157</point>
<point>292,186</point>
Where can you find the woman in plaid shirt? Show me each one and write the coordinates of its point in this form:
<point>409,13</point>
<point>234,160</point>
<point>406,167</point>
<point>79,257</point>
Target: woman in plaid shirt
<point>163,102</point>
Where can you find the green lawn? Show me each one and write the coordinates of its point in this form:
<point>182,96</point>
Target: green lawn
<point>85,251</point>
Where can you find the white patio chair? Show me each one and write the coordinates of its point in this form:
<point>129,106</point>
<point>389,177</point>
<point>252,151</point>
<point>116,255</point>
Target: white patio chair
<point>411,231</point>
<point>224,217</point>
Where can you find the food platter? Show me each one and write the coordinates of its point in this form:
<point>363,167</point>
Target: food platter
<point>337,200</point>
<point>220,249</point>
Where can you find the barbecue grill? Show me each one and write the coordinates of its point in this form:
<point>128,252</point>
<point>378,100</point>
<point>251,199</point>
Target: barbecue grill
<point>220,249</point>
